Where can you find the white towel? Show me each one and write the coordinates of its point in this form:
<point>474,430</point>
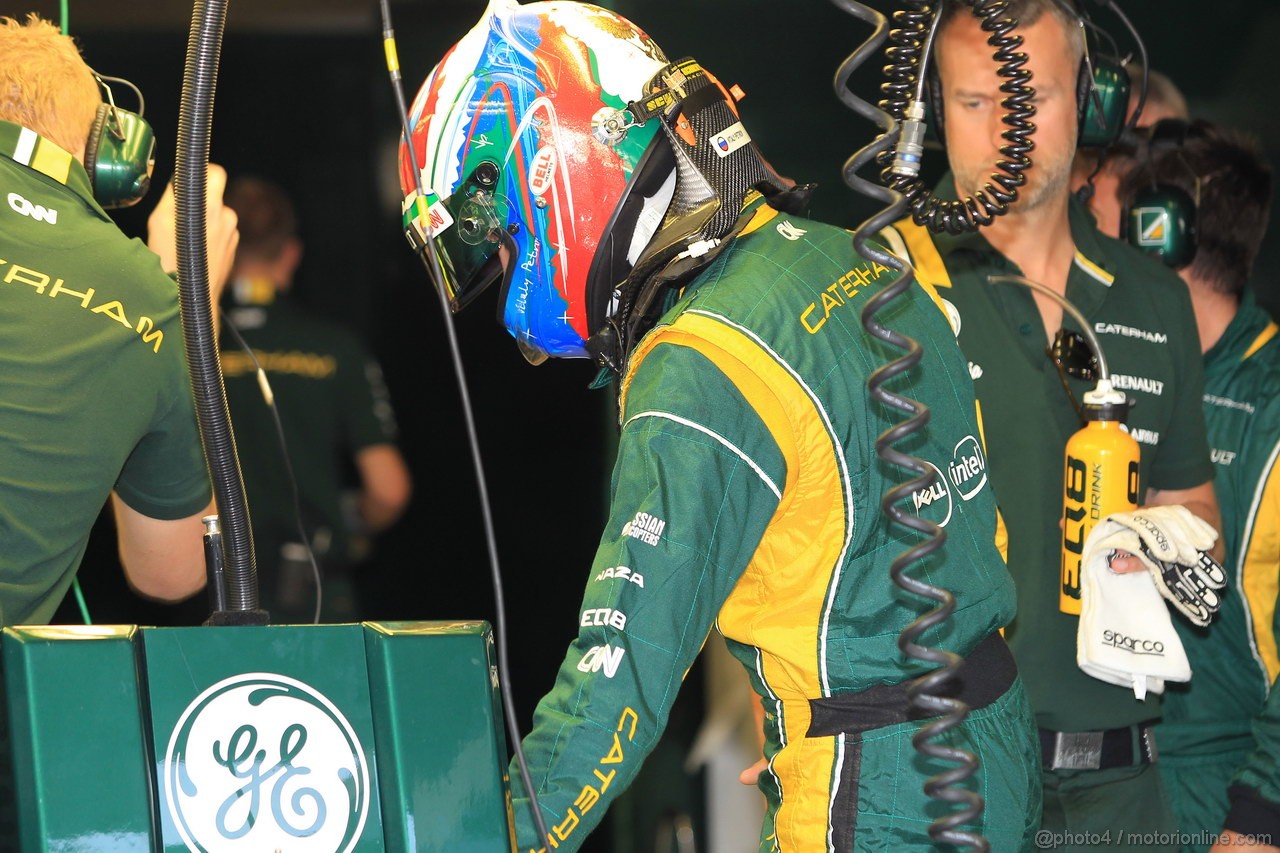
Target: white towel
<point>1125,635</point>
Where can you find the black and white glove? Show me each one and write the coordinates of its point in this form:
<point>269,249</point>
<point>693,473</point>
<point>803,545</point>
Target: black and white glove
<point>1173,544</point>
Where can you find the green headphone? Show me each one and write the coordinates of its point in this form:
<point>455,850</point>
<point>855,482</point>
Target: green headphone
<point>1103,101</point>
<point>120,152</point>
<point>1161,218</point>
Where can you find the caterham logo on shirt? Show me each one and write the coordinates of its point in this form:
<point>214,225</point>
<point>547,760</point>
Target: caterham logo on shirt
<point>55,288</point>
<point>1130,332</point>
<point>1153,225</point>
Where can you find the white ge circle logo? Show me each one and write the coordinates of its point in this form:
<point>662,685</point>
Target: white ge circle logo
<point>261,761</point>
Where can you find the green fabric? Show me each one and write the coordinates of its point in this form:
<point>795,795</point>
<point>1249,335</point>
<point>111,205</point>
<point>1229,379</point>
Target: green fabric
<point>693,538</point>
<point>1124,808</point>
<point>1229,687</point>
<point>893,811</point>
<point>94,393</point>
<point>1197,789</point>
<point>1147,330</point>
<point>332,404</point>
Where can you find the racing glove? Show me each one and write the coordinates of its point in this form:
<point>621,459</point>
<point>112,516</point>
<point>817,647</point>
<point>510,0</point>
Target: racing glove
<point>1173,544</point>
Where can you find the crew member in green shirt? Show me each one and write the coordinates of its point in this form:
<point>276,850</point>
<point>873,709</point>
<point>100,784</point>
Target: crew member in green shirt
<point>95,403</point>
<point>334,410</point>
<point>1099,785</point>
<point>1220,736</point>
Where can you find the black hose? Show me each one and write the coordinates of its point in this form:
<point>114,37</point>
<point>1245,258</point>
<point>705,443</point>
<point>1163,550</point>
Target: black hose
<point>199,81</point>
<point>905,64</point>
<point>925,692</point>
<point>431,261</point>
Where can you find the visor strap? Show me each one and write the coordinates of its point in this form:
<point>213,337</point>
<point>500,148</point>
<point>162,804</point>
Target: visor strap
<point>672,80</point>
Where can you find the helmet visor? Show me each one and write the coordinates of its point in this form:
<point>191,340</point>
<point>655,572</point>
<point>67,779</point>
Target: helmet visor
<point>467,229</point>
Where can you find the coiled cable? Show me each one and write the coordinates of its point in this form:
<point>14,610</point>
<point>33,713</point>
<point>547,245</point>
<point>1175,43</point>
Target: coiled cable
<point>916,29</point>
<point>906,70</point>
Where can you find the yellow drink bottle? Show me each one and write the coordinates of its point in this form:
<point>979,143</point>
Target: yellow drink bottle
<point>1101,477</point>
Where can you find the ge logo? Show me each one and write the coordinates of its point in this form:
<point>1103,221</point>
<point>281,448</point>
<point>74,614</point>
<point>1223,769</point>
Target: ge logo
<point>260,761</point>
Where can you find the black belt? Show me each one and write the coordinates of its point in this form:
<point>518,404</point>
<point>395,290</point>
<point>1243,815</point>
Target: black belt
<point>987,674</point>
<point>1126,747</point>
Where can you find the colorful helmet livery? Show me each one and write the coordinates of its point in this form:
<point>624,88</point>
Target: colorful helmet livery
<point>502,131</point>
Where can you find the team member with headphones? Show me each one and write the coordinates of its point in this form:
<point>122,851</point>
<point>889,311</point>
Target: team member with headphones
<point>95,403</point>
<point>1099,786</point>
<point>94,389</point>
<point>1098,171</point>
<point>1198,197</point>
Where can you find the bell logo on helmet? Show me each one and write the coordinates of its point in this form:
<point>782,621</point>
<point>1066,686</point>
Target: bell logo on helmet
<point>265,762</point>
<point>542,170</point>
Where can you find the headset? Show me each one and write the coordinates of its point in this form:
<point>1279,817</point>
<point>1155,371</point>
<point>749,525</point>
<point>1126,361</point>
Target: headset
<point>120,153</point>
<point>1161,218</point>
<point>1102,89</point>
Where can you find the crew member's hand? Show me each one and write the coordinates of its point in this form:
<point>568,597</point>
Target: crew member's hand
<point>752,773</point>
<point>1172,544</point>
<point>220,226</point>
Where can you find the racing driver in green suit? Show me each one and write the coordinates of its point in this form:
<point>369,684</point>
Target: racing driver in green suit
<point>620,202</point>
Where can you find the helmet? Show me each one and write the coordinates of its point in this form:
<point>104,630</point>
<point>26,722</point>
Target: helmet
<point>502,130</point>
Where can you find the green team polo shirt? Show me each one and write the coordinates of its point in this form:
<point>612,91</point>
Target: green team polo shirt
<point>94,393</point>
<point>1234,662</point>
<point>332,404</point>
<point>1142,315</point>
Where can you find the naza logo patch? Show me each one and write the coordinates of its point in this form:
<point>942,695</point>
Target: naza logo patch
<point>269,763</point>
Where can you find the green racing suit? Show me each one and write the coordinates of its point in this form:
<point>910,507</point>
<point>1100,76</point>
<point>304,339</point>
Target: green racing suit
<point>745,497</point>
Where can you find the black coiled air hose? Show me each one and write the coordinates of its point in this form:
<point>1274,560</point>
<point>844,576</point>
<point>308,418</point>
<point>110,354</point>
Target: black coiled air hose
<point>905,60</point>
<point>925,692</point>
<point>199,81</point>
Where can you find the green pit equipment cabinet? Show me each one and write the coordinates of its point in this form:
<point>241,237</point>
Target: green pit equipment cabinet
<point>333,738</point>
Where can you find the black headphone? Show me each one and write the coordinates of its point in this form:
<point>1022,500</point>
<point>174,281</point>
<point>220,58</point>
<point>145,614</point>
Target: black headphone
<point>120,152</point>
<point>1160,219</point>
<point>1102,92</point>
